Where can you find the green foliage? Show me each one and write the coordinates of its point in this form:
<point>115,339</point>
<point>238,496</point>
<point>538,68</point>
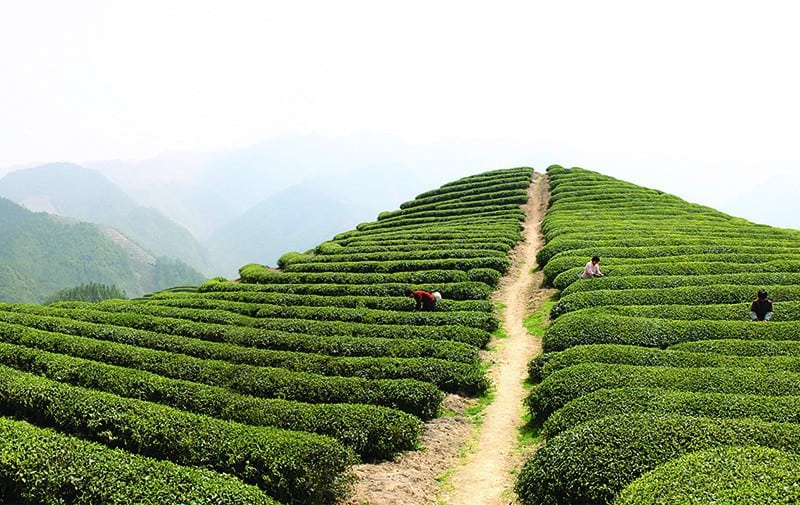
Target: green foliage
<point>594,461</point>
<point>572,382</point>
<point>498,263</point>
<point>452,291</point>
<point>426,326</point>
<point>220,326</point>
<point>684,295</point>
<point>549,363</point>
<point>328,247</point>
<point>41,466</point>
<point>374,432</point>
<point>412,396</point>
<point>41,255</point>
<point>738,347</point>
<point>613,401</point>
<point>591,327</point>
<point>290,466</point>
<point>455,377</point>
<point>633,400</point>
<point>678,264</point>
<point>724,475</point>
<point>91,292</point>
<point>784,311</point>
<point>288,258</point>
<point>395,303</point>
<point>327,347</point>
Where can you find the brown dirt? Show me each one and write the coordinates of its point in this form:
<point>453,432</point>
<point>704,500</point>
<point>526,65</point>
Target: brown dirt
<point>467,460</point>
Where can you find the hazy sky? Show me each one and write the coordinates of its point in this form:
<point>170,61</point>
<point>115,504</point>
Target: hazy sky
<point>699,98</point>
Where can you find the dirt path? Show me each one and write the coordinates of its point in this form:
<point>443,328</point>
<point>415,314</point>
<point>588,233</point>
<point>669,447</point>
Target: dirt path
<point>476,461</point>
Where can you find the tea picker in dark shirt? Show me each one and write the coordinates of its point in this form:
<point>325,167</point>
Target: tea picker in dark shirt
<point>761,308</point>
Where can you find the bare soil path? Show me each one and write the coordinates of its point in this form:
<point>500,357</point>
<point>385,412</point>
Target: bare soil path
<point>462,463</point>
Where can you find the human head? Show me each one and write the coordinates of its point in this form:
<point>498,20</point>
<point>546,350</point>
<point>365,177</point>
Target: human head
<point>762,294</point>
<point>595,259</point>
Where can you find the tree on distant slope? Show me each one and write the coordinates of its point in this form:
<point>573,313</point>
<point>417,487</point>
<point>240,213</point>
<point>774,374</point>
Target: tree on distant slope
<point>92,292</point>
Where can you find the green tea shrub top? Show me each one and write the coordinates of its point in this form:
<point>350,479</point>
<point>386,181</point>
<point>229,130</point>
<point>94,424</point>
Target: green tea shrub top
<point>724,475</point>
<point>596,460</point>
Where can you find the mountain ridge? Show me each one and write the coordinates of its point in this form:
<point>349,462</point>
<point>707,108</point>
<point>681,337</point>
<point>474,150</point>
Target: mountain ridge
<point>84,194</point>
<point>41,254</point>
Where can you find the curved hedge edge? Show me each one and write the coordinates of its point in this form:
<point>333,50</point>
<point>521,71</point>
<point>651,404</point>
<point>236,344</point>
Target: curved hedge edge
<point>569,383</point>
<point>594,461</point>
<point>39,465</point>
<point>633,400</point>
<point>723,475</point>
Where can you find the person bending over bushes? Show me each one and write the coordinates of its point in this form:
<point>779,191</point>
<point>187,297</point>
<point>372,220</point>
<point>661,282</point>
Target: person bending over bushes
<point>426,301</point>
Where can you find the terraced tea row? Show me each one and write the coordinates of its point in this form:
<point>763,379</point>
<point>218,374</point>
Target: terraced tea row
<point>658,360</point>
<point>280,380</point>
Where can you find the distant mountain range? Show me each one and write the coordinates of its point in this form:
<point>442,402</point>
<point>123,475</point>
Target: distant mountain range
<point>219,211</point>
<point>73,191</point>
<point>41,254</point>
<point>288,193</point>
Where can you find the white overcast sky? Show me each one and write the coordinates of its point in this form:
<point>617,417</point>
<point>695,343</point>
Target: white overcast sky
<point>699,98</point>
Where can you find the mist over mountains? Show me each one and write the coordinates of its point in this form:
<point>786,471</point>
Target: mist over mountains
<point>73,191</point>
<point>220,210</point>
<point>206,191</point>
<point>292,192</point>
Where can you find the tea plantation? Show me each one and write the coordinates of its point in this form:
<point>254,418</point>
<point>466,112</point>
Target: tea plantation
<point>655,385</point>
<point>268,388</point>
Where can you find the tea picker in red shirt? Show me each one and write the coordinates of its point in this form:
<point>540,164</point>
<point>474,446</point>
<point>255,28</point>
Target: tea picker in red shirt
<point>761,308</point>
<point>426,301</point>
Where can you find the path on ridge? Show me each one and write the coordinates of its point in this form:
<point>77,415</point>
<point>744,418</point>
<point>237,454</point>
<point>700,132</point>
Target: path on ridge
<point>478,461</point>
<point>487,477</point>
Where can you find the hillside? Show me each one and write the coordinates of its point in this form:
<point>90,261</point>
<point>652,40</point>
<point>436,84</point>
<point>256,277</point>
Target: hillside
<point>284,384</point>
<point>41,254</point>
<point>205,191</point>
<point>86,195</point>
<point>328,347</point>
<point>239,206</point>
<point>296,219</point>
<point>655,386</point>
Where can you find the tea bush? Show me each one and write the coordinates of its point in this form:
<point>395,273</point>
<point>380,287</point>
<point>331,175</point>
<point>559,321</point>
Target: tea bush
<point>41,466</point>
<point>633,400</point>
<point>722,475</point>
<point>594,461</point>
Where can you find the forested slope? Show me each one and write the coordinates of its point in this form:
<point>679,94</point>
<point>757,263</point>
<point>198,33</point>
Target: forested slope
<point>41,254</point>
<point>83,194</point>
